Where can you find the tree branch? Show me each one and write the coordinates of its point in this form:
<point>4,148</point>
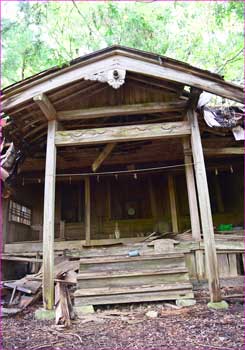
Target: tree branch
<point>230,60</point>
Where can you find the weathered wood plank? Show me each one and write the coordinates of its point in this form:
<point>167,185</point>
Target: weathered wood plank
<point>130,281</point>
<point>134,289</point>
<point>46,106</point>
<point>87,210</point>
<point>5,222</point>
<point>19,258</point>
<point>191,190</point>
<point>209,84</point>
<point>125,258</point>
<point>126,273</point>
<point>223,151</point>
<point>223,265</point>
<point>141,108</point>
<point>191,264</point>
<point>103,155</point>
<point>205,208</point>
<point>193,207</point>
<point>173,206</point>
<point>62,229</point>
<point>233,264</point>
<point>134,298</point>
<point>48,218</point>
<point>132,264</point>
<point>122,133</point>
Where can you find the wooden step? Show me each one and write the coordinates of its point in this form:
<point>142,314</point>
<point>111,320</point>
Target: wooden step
<point>129,278</point>
<point>124,279</point>
<point>146,262</point>
<point>127,273</point>
<point>134,289</point>
<point>134,297</point>
<point>124,258</point>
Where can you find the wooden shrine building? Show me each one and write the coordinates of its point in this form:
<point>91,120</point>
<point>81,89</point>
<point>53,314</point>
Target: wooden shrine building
<point>113,147</point>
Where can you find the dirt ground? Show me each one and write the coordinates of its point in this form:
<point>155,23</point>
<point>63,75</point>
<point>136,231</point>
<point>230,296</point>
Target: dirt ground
<point>127,327</point>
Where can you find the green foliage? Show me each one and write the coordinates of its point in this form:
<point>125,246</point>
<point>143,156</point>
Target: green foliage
<point>43,34</point>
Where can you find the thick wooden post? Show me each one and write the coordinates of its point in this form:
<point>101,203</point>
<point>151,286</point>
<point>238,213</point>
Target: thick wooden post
<point>62,230</point>
<point>205,208</point>
<point>48,219</point>
<point>193,207</point>
<point>173,208</point>
<point>87,210</point>
<point>5,222</point>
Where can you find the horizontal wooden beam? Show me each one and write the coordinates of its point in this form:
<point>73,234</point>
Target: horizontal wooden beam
<point>46,106</point>
<point>103,155</point>
<point>142,108</point>
<point>122,134</point>
<point>223,151</point>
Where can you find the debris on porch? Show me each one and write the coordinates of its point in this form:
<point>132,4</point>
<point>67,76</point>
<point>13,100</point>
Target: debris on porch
<point>20,294</point>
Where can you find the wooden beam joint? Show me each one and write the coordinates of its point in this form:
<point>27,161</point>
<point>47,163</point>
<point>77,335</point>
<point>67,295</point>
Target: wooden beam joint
<point>102,156</point>
<point>46,106</point>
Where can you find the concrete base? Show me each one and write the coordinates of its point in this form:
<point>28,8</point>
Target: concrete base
<point>44,315</point>
<point>222,305</point>
<point>185,302</point>
<point>83,309</point>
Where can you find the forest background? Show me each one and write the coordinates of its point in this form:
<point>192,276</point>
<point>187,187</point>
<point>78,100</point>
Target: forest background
<point>38,35</point>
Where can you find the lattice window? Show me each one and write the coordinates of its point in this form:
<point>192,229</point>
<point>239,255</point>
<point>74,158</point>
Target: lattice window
<point>19,213</point>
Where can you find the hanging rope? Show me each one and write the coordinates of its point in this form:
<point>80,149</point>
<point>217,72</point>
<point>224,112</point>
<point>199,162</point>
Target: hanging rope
<point>122,172</point>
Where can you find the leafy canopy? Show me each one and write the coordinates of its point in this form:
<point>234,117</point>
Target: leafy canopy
<point>39,35</point>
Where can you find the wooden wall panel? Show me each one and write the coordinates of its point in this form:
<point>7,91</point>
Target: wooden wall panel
<point>102,191</point>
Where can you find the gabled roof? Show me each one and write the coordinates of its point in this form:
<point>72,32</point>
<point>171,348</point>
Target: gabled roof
<point>132,60</point>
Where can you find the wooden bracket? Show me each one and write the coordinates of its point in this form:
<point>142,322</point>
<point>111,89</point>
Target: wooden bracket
<point>103,155</point>
<point>46,106</point>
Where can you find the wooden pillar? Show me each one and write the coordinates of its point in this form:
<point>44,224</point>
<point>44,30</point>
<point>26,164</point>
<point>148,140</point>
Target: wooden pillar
<point>193,207</point>
<point>48,218</point>
<point>173,208</point>
<point>87,210</point>
<point>62,230</point>
<point>5,222</point>
<point>79,203</point>
<point>205,208</point>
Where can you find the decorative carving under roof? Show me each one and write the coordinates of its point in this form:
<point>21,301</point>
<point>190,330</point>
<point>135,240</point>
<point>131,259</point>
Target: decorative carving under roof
<point>115,77</point>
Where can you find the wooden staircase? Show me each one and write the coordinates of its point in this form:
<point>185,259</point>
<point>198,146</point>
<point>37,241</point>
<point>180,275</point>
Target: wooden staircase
<point>123,279</point>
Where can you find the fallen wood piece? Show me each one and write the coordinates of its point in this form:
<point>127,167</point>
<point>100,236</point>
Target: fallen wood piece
<point>64,267</point>
<point>55,280</point>
<point>62,312</point>
<point>27,300</point>
<point>12,296</point>
<point>98,244</point>
<point>17,258</point>
<point>150,235</point>
<point>24,285</point>
<point>9,311</point>
<point>70,278</point>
